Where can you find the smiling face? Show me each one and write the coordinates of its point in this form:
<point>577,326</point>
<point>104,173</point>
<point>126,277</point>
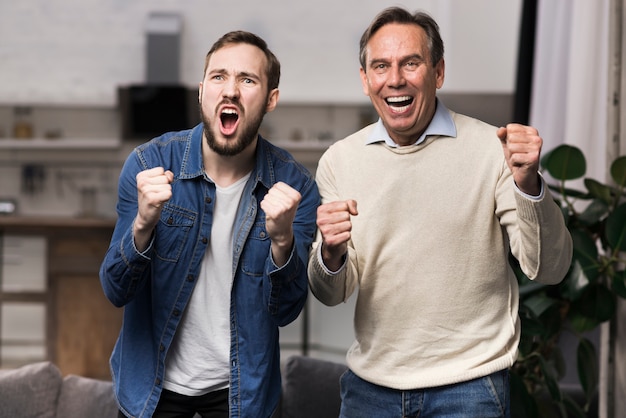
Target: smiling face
<point>234,97</point>
<point>401,80</point>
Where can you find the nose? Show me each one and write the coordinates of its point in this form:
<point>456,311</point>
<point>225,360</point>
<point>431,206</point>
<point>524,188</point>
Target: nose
<point>230,89</point>
<point>396,77</point>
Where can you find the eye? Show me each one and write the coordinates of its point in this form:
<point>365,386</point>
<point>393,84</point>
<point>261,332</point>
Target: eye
<point>379,67</point>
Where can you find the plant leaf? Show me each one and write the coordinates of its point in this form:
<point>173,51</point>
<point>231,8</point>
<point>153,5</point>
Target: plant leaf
<point>551,320</point>
<point>618,170</point>
<point>597,302</point>
<point>529,287</point>
<point>615,229</point>
<point>598,190</point>
<point>531,326</point>
<point>581,323</point>
<point>550,378</point>
<point>594,213</point>
<point>575,282</point>
<point>586,253</point>
<point>587,364</point>
<point>570,192</point>
<point>565,162</point>
<point>539,303</point>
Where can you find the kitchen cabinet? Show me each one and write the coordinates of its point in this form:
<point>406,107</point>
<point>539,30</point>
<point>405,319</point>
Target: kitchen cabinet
<point>23,263</point>
<point>23,298</point>
<point>81,325</point>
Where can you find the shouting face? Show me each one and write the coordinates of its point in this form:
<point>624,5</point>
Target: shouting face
<point>234,96</point>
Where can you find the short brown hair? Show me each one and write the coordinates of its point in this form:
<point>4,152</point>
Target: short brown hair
<point>242,37</point>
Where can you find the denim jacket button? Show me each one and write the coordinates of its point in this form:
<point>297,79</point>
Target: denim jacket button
<point>207,200</point>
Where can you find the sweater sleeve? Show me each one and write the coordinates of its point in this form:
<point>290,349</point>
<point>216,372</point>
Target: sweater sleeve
<point>538,236</point>
<point>330,288</point>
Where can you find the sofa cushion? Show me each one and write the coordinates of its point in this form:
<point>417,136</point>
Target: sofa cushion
<point>86,397</point>
<point>30,391</point>
<point>311,388</point>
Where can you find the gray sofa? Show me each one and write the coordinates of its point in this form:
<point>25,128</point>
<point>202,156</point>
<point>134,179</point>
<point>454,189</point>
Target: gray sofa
<point>39,390</point>
<point>310,390</point>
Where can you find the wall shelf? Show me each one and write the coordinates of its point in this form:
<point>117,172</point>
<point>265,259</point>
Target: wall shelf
<point>59,144</point>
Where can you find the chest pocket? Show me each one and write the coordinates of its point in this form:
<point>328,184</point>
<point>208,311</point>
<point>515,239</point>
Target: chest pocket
<point>256,250</point>
<point>172,232</point>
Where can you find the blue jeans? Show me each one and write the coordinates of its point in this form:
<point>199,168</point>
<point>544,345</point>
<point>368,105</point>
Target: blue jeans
<point>484,397</point>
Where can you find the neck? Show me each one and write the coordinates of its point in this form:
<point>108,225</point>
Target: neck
<point>226,170</point>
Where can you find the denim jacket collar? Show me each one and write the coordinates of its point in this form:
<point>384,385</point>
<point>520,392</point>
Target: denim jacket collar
<point>192,164</point>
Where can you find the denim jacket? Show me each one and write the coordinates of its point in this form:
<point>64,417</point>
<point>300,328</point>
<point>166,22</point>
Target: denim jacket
<point>155,286</point>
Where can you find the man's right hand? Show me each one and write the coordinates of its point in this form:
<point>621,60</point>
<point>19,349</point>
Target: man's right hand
<point>153,189</point>
<point>333,221</point>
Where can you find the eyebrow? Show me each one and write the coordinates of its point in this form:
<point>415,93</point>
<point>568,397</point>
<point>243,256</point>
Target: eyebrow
<point>376,61</point>
<point>249,75</point>
<point>241,74</point>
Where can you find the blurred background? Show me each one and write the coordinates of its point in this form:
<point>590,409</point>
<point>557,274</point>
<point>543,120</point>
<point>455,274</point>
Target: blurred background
<point>83,82</point>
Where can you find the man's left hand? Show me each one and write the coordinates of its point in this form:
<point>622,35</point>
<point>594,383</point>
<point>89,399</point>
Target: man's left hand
<point>280,205</point>
<point>522,148</point>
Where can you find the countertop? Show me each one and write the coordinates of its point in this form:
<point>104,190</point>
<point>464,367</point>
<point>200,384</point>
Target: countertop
<point>19,222</point>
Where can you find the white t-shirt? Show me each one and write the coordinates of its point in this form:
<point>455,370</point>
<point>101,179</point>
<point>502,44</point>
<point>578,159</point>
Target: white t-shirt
<point>198,360</point>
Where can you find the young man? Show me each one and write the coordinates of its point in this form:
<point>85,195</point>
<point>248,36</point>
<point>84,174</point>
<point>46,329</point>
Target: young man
<point>208,256</point>
<point>442,198</point>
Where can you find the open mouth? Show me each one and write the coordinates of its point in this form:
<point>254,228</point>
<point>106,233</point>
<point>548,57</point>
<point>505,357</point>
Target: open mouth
<point>399,103</point>
<point>228,119</point>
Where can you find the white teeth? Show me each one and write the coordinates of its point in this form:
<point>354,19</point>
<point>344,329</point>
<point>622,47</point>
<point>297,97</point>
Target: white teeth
<point>398,99</point>
<point>229,111</point>
<point>399,109</point>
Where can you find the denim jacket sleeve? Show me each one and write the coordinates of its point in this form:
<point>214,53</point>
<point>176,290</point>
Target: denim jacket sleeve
<point>124,269</point>
<point>287,286</point>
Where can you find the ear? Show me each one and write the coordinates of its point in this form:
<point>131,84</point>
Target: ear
<point>200,92</point>
<point>440,70</point>
<point>272,100</point>
<point>364,81</point>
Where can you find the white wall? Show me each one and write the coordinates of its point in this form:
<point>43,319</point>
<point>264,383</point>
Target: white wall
<point>79,51</point>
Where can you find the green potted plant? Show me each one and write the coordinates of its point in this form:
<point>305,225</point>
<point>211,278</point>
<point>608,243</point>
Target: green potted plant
<point>587,297</point>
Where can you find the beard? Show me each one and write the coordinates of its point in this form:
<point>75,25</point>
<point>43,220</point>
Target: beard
<point>233,147</point>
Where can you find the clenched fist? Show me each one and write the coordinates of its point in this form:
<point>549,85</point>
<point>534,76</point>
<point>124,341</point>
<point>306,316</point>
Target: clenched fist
<point>335,225</point>
<point>280,205</point>
<point>522,147</point>
<point>153,189</point>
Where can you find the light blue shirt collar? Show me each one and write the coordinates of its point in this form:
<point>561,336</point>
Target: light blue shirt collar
<point>441,124</point>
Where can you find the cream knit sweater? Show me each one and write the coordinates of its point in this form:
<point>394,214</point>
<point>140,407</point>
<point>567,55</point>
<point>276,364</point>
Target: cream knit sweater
<point>437,301</point>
